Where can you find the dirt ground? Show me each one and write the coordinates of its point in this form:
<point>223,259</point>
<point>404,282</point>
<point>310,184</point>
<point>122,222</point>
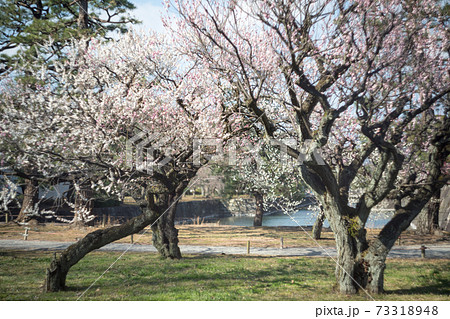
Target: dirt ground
<point>213,235</point>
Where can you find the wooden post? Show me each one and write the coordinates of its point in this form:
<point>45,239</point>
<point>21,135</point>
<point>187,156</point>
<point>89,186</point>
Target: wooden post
<point>6,217</point>
<point>248,247</point>
<point>25,235</point>
<point>281,243</point>
<point>422,251</point>
<point>131,238</point>
<point>104,221</point>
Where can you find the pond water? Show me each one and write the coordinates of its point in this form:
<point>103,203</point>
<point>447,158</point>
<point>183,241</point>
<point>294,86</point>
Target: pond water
<point>301,217</point>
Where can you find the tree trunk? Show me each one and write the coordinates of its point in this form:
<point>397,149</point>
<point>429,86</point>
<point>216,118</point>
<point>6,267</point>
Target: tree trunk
<point>83,14</point>
<point>318,224</point>
<point>436,202</point>
<point>157,204</point>
<point>83,207</point>
<point>165,235</point>
<point>428,219</point>
<point>414,202</point>
<point>346,268</point>
<point>351,242</point>
<point>257,222</point>
<point>30,199</point>
<point>375,256</point>
<point>374,264</point>
<point>360,266</point>
<point>70,194</point>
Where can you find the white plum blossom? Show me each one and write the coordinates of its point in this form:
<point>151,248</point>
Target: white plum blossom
<point>78,117</point>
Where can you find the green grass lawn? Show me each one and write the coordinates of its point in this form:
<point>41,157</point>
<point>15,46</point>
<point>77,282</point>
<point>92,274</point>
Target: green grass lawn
<point>144,276</point>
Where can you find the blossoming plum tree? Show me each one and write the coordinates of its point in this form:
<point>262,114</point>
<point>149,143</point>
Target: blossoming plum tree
<point>265,172</point>
<point>122,115</point>
<point>355,78</point>
<point>24,27</point>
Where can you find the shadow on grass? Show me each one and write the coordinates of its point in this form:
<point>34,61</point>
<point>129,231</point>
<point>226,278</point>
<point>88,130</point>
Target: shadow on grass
<point>442,287</point>
<point>233,276</point>
<point>429,290</point>
<point>196,271</point>
<point>200,273</point>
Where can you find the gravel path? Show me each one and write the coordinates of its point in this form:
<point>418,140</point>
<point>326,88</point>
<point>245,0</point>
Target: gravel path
<point>441,251</point>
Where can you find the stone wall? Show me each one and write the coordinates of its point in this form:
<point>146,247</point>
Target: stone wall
<point>240,206</point>
<point>210,208</point>
<point>119,214</point>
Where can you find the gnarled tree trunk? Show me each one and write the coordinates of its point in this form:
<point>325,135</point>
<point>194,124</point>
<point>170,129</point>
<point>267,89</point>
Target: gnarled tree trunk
<point>157,204</point>
<point>259,213</point>
<point>360,265</point>
<point>373,266</point>
<point>165,235</point>
<point>375,257</point>
<point>30,199</point>
<point>409,204</point>
<point>351,242</point>
<point>349,246</point>
<point>428,219</point>
<point>318,224</point>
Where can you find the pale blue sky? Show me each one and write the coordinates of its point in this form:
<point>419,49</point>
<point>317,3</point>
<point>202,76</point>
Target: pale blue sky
<point>149,12</point>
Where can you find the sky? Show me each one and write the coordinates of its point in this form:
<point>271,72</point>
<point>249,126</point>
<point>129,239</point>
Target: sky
<point>149,12</point>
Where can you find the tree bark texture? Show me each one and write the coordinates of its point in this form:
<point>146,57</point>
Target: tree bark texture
<point>83,14</point>
<point>350,244</point>
<point>318,224</point>
<point>157,204</point>
<point>259,213</point>
<point>30,199</point>
<point>165,235</point>
<point>428,219</point>
<point>361,265</point>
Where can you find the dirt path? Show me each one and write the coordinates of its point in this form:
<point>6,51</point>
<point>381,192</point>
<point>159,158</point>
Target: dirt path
<point>215,235</point>
<point>432,251</point>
